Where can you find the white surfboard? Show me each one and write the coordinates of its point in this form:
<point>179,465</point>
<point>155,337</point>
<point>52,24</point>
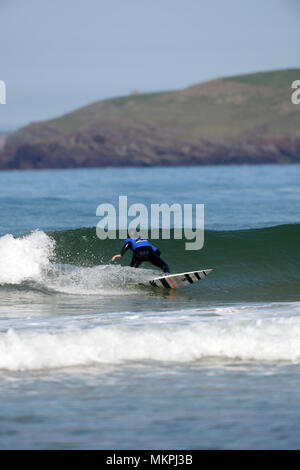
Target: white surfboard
<point>173,281</point>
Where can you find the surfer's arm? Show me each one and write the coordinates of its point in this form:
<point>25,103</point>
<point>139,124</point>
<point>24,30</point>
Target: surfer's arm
<point>126,247</point>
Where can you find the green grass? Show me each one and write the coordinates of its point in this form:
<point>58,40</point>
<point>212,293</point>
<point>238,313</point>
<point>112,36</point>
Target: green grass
<point>215,113</point>
<point>140,98</point>
<point>276,78</point>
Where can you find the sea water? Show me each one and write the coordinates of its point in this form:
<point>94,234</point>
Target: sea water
<point>89,361</point>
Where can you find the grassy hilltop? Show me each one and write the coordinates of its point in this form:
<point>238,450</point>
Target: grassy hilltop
<point>241,119</point>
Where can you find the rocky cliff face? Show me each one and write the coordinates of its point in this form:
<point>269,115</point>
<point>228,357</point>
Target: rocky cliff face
<point>3,138</point>
<point>247,119</point>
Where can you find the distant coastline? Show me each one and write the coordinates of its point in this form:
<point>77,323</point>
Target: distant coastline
<point>235,120</point>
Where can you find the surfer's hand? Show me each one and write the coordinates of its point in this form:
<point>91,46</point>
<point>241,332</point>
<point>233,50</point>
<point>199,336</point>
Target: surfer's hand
<point>116,257</point>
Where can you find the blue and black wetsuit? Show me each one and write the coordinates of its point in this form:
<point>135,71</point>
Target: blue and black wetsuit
<point>144,251</point>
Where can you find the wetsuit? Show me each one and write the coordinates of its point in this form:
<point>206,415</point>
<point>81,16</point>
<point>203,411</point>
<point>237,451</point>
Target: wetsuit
<point>144,251</point>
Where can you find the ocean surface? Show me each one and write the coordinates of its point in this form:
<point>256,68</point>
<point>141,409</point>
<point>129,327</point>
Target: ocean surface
<point>89,360</point>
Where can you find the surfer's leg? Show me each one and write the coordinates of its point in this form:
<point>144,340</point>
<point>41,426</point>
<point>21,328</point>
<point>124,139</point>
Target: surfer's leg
<point>160,263</point>
<point>146,253</point>
<point>135,262</point>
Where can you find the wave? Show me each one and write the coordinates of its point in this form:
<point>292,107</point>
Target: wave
<point>253,264</point>
<point>269,247</point>
<point>30,262</point>
<point>269,340</point>
<point>25,258</point>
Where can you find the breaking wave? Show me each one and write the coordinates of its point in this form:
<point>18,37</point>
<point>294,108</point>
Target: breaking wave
<point>258,340</point>
<point>255,264</point>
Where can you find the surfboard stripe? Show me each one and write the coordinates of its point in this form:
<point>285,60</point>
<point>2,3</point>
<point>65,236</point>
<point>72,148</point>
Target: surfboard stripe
<point>197,276</point>
<point>153,283</point>
<point>164,283</point>
<point>188,277</point>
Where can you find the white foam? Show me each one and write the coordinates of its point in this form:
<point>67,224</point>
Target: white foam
<point>270,340</point>
<point>103,280</point>
<point>30,258</point>
<point>24,258</point>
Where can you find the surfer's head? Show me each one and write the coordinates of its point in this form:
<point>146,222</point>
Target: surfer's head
<point>132,233</point>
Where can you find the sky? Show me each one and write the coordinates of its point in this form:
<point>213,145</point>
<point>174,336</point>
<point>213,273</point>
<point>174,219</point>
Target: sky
<point>59,55</point>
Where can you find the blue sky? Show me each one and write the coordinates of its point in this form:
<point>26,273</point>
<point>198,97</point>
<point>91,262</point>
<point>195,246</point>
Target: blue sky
<point>59,55</point>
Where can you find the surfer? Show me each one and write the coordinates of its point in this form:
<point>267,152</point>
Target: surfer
<point>142,251</point>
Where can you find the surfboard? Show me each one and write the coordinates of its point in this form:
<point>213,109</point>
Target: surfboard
<point>174,281</point>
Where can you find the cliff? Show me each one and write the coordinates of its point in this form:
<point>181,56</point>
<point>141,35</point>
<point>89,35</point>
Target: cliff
<point>242,119</point>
